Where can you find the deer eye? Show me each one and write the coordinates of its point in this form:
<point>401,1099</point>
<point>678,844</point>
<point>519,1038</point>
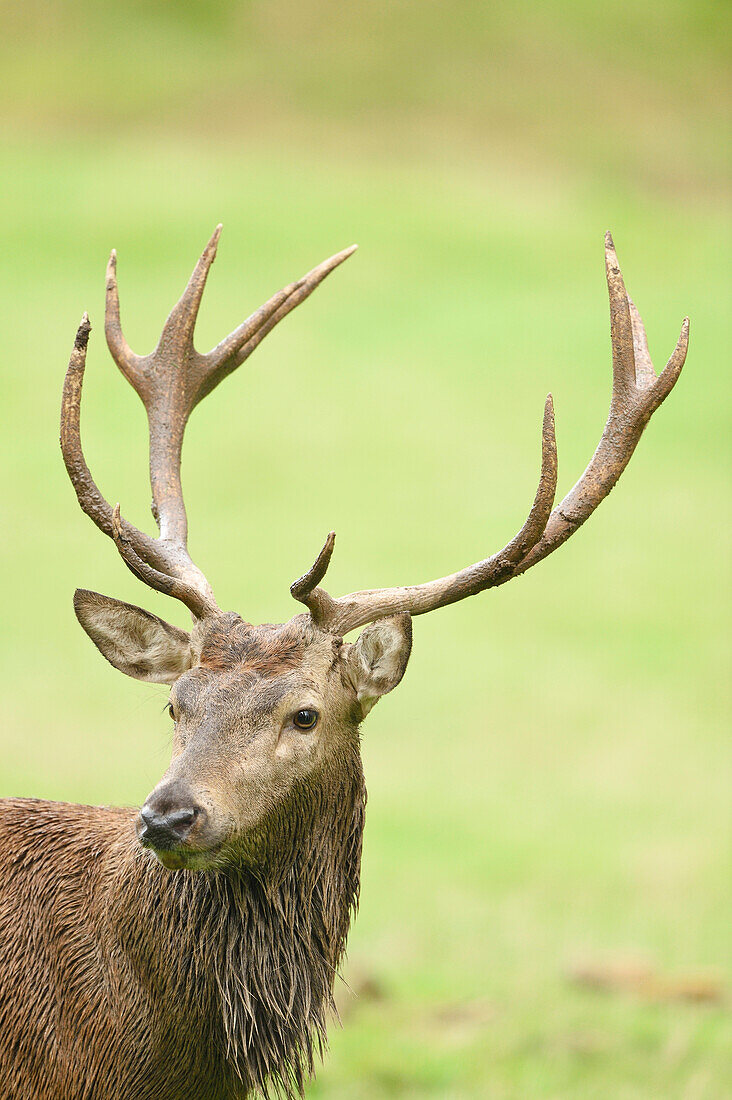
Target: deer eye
<point>305,719</point>
<point>171,712</point>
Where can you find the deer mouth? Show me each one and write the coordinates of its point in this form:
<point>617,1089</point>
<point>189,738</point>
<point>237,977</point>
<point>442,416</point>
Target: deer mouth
<point>187,859</point>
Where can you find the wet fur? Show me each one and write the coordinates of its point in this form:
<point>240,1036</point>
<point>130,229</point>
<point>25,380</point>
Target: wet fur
<point>121,979</point>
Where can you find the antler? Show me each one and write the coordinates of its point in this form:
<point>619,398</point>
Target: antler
<point>636,394</point>
<point>170,381</point>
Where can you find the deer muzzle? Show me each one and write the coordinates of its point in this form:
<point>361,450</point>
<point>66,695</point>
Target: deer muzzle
<point>173,823</point>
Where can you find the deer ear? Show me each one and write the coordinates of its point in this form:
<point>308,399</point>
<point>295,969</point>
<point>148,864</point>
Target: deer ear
<point>377,661</point>
<point>134,641</point>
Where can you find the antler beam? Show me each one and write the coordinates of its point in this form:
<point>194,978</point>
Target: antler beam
<point>170,382</point>
<point>636,394</point>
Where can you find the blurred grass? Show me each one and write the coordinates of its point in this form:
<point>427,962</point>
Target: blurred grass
<point>628,90</point>
<point>551,781</point>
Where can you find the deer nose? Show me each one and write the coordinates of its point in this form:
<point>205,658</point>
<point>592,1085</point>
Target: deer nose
<point>166,829</point>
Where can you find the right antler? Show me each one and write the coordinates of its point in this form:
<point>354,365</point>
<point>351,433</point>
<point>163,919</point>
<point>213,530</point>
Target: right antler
<point>636,394</point>
<point>170,381</point>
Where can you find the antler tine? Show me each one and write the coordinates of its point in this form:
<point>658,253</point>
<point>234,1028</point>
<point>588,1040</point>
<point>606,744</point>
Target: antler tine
<point>645,375</point>
<point>177,331</point>
<point>124,357</point>
<point>348,612</point>
<point>669,376</point>
<point>239,345</point>
<point>621,326</point>
<point>198,604</point>
<point>90,498</point>
<point>659,388</point>
<point>636,394</point>
<point>306,589</point>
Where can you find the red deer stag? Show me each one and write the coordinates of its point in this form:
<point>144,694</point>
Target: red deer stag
<point>121,976</point>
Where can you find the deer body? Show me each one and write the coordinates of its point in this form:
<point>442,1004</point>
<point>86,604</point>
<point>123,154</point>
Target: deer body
<point>189,949</point>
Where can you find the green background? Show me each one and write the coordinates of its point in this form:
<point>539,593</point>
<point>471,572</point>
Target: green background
<point>550,785</point>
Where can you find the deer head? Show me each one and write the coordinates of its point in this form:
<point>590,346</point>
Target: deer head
<point>267,717</point>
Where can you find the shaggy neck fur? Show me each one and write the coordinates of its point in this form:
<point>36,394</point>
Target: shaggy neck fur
<point>254,948</point>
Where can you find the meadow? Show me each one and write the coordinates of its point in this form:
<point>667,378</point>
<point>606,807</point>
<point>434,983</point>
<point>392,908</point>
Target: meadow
<point>549,787</point>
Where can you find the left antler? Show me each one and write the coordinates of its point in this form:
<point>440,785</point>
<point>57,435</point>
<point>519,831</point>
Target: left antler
<point>636,394</point>
<point>170,381</point>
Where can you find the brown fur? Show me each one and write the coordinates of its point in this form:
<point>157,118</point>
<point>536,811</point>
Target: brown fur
<point>119,979</point>
<point>267,651</point>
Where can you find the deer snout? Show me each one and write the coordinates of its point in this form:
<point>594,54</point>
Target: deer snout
<point>167,819</point>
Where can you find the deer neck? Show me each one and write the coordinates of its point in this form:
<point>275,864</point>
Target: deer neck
<point>248,954</point>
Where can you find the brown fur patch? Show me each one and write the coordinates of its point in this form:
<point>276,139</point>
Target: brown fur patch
<point>265,650</point>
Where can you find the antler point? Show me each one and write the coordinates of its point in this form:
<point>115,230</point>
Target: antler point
<point>332,262</point>
<point>304,585</point>
<point>82,339</point>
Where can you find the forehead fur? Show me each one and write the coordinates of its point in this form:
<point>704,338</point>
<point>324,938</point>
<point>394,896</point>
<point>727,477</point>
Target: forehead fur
<point>269,650</point>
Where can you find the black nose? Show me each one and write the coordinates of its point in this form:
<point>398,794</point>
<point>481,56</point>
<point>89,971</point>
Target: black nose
<point>166,827</point>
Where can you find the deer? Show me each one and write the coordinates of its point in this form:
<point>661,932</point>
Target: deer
<point>189,948</point>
